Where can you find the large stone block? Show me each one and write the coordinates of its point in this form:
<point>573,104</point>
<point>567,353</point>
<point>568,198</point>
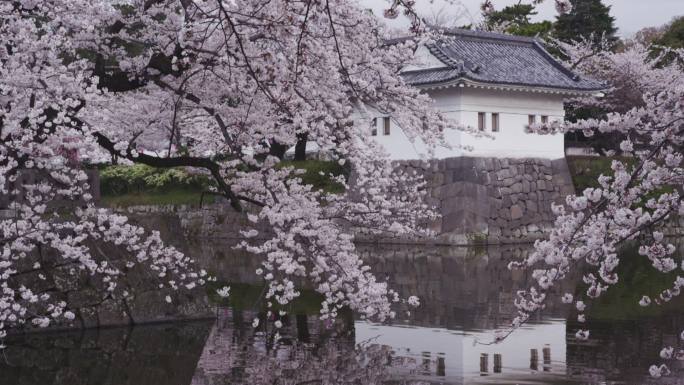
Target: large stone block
<point>437,179</point>
<point>525,186</point>
<point>452,163</point>
<point>503,174</point>
<point>516,212</point>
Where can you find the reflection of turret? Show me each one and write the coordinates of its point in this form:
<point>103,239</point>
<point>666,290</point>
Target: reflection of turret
<point>484,363</point>
<point>303,349</point>
<point>547,358</point>
<point>534,359</point>
<point>497,363</point>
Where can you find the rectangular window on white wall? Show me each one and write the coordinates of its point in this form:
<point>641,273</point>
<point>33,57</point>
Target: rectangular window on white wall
<point>545,119</point>
<point>531,119</point>
<point>481,121</point>
<point>386,125</point>
<point>374,127</point>
<point>495,122</point>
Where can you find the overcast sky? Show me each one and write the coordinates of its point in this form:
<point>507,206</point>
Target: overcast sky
<point>631,15</point>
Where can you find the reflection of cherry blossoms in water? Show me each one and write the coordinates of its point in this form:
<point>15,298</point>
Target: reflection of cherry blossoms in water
<point>303,351</point>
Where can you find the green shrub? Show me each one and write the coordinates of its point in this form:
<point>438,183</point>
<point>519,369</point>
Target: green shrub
<point>121,180</point>
<point>144,185</point>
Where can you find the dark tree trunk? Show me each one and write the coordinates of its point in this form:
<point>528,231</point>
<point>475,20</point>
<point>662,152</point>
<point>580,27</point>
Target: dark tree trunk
<point>300,147</point>
<point>278,150</point>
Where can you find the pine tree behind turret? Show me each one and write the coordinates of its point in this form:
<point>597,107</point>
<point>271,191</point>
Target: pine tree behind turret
<point>587,19</point>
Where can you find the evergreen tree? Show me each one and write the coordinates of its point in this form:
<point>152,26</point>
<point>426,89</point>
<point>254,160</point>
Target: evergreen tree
<point>516,18</point>
<point>673,36</point>
<point>587,19</point>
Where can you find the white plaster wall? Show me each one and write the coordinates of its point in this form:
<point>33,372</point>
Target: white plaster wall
<point>464,104</point>
<point>513,107</point>
<point>400,147</point>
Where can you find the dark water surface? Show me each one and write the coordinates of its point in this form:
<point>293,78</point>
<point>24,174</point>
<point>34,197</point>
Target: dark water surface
<point>465,294</point>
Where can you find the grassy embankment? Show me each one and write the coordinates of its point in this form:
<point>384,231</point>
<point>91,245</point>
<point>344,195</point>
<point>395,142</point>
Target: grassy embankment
<point>123,186</point>
<point>585,170</point>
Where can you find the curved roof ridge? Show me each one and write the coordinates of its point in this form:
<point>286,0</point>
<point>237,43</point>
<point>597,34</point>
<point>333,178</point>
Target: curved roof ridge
<point>489,35</point>
<point>442,56</point>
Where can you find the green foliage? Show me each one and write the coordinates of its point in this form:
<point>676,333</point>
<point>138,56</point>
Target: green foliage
<point>673,36</point>
<point>541,29</point>
<point>517,17</point>
<point>518,14</point>
<point>317,174</point>
<point>637,278</point>
<point>118,180</point>
<point>170,197</point>
<point>143,185</point>
<point>588,19</point>
<point>585,170</point>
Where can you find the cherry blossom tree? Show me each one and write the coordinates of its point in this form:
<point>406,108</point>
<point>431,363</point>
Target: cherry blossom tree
<point>636,201</point>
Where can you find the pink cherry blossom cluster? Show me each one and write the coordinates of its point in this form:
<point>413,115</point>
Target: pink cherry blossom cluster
<point>563,6</point>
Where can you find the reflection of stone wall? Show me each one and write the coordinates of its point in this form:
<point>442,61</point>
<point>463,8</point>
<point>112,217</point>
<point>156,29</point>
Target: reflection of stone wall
<point>92,304</point>
<point>494,200</point>
<point>149,355</point>
<point>459,287</point>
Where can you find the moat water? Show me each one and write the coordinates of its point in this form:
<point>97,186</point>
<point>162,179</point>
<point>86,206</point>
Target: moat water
<point>466,295</point>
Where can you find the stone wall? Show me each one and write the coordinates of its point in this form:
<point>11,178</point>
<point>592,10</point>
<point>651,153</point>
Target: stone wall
<point>492,200</point>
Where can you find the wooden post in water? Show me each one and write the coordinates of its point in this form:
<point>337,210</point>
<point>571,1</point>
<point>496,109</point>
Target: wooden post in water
<point>534,359</point>
<point>484,363</point>
<point>497,363</point>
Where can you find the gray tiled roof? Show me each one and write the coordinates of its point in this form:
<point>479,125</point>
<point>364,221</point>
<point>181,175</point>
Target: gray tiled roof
<point>486,57</point>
